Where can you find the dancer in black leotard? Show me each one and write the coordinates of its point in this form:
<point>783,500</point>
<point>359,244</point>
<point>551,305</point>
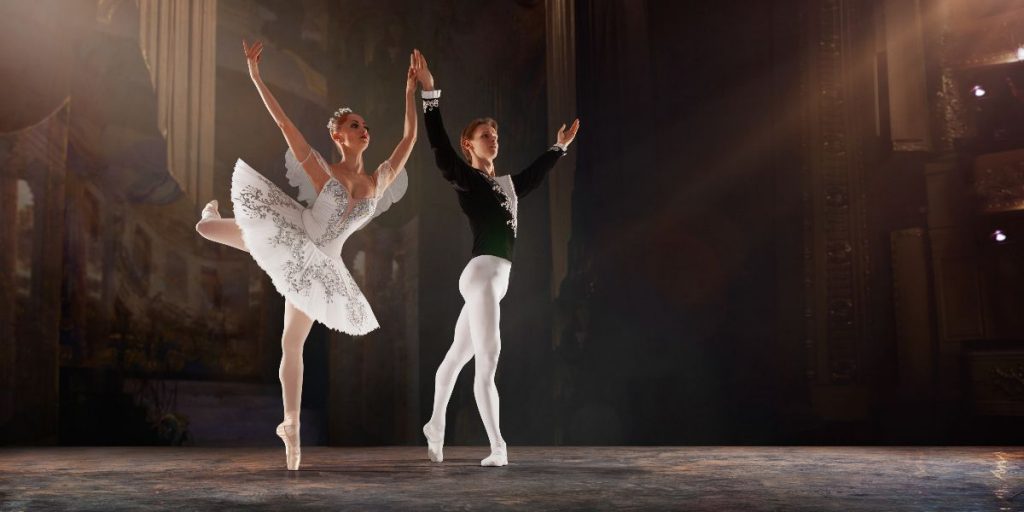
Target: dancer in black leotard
<point>490,202</point>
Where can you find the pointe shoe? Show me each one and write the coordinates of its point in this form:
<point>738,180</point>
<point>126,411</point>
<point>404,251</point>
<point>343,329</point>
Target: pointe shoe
<point>210,211</point>
<point>435,443</point>
<point>289,433</point>
<point>498,458</point>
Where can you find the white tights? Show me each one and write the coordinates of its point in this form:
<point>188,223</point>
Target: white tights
<point>224,231</point>
<point>293,338</point>
<point>483,283</point>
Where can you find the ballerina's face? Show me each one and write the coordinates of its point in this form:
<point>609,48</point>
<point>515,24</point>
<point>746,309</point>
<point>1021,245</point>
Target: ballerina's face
<point>352,131</point>
<point>483,143</point>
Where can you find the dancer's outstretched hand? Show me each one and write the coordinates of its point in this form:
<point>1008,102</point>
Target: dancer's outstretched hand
<point>252,57</point>
<point>566,137</point>
<point>410,78</point>
<point>423,72</point>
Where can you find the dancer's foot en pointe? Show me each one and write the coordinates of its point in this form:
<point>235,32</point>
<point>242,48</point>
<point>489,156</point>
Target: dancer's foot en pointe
<point>289,433</point>
<point>498,457</point>
<point>435,443</point>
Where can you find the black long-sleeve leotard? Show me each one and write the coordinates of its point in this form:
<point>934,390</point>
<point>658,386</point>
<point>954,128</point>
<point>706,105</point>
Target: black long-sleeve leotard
<point>491,212</point>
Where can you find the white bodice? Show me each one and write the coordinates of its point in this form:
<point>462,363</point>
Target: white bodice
<point>334,216</point>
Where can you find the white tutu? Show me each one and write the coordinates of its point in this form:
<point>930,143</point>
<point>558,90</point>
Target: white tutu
<point>300,248</point>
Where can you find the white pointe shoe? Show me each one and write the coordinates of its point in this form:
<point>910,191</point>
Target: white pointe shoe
<point>210,211</point>
<point>498,458</point>
<point>435,443</point>
<point>289,433</point>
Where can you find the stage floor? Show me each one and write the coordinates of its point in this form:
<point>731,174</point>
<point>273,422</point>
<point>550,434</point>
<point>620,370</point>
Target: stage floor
<point>539,478</point>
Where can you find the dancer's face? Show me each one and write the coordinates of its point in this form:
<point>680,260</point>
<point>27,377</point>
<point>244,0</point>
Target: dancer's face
<point>484,143</point>
<point>353,132</point>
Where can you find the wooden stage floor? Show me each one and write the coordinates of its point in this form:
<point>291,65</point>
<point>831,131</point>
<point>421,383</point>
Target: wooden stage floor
<point>538,478</point>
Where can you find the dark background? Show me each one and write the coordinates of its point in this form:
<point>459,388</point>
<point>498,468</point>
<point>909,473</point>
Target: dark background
<point>782,226</point>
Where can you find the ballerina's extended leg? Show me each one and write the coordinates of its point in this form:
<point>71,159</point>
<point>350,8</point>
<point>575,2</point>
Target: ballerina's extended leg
<point>214,228</point>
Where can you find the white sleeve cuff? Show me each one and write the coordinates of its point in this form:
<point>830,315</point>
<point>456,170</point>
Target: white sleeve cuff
<point>431,95</point>
<point>563,147</point>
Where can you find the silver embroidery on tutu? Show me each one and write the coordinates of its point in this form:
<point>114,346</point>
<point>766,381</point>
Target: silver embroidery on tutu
<point>300,247</point>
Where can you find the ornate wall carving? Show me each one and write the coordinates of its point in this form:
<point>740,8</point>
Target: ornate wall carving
<point>999,181</point>
<point>835,244</point>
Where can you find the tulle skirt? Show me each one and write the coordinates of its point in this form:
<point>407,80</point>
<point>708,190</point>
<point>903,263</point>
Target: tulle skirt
<point>317,283</point>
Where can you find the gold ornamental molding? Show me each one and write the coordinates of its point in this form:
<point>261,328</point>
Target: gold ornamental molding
<point>999,181</point>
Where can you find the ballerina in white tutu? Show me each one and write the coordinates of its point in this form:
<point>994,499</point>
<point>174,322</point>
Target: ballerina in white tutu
<point>299,246</point>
